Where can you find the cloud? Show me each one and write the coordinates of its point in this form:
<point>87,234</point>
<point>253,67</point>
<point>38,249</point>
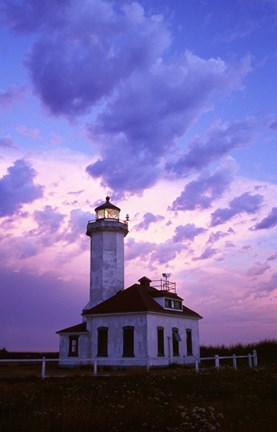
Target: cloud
<point>269,286</point>
<point>229,244</point>
<point>187,232</point>
<point>149,113</point>
<point>17,188</point>
<point>114,58</point>
<point>122,171</point>
<point>206,254</point>
<point>220,139</point>
<point>12,94</point>
<point>161,253</point>
<point>272,257</point>
<point>33,242</point>
<point>148,218</point>
<point>7,143</point>
<point>30,15</point>
<point>84,51</point>
<point>216,236</point>
<point>200,193</point>
<point>77,226</point>
<point>135,249</point>
<point>257,269</point>
<point>49,218</point>
<point>117,57</point>
<point>23,248</point>
<point>268,222</point>
<point>245,203</point>
<point>166,252</point>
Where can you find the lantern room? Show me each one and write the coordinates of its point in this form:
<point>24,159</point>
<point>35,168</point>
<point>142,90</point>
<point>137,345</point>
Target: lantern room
<point>107,211</point>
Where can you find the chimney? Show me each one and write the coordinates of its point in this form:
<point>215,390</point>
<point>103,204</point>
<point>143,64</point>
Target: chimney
<point>145,282</point>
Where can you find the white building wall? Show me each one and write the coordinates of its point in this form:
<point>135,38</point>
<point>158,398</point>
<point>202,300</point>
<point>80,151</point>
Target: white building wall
<point>83,349</point>
<point>168,322</point>
<point>115,324</point>
<point>145,340</point>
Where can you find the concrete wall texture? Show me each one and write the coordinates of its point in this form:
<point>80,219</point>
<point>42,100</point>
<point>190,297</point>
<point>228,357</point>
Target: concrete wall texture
<point>145,340</point>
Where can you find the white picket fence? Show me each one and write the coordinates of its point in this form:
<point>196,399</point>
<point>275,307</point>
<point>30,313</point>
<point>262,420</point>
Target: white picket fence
<point>252,361</point>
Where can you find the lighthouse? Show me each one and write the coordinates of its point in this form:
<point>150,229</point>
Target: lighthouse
<point>107,234</point>
<point>146,324</point>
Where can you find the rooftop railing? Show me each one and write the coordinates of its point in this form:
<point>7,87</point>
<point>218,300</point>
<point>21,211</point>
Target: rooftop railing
<point>164,285</point>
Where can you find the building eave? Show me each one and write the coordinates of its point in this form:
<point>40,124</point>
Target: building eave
<point>76,329</point>
<point>164,312</point>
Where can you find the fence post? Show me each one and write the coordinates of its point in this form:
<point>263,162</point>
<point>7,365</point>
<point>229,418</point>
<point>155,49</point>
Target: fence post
<point>216,357</point>
<point>95,367</point>
<point>255,358</point>
<point>147,364</point>
<point>235,361</point>
<point>43,367</point>
<point>196,365</point>
<point>250,360</point>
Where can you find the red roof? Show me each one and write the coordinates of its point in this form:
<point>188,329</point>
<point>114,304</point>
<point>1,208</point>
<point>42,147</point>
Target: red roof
<point>138,298</point>
<point>79,328</point>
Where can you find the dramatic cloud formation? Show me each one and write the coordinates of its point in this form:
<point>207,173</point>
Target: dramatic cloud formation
<point>258,269</point>
<point>83,51</point>
<point>77,224</point>
<point>17,188</point>
<point>201,193</point>
<point>150,112</point>
<point>245,203</point>
<point>187,232</point>
<point>270,285</point>
<point>220,139</point>
<point>148,100</point>
<point>50,220</point>
<point>148,218</point>
<point>268,222</point>
<point>154,253</point>
<point>168,108</point>
<point>206,254</point>
<point>166,252</point>
<point>135,249</point>
<point>30,15</point>
<point>216,236</point>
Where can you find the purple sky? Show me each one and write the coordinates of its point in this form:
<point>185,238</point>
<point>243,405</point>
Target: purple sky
<point>169,108</point>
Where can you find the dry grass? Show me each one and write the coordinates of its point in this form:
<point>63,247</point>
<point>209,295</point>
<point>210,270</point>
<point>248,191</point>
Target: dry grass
<point>175,399</point>
<point>170,400</point>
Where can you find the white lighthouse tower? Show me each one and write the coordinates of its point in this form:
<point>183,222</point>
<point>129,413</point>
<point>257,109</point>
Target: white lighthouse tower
<point>146,324</point>
<point>107,234</point>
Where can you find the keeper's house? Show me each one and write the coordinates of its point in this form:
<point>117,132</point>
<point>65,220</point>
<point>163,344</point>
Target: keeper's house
<point>143,325</point>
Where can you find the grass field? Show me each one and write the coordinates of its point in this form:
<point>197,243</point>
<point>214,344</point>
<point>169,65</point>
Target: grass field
<point>175,399</point>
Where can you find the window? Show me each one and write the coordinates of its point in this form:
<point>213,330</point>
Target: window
<point>173,304</point>
<point>160,338</point>
<point>73,346</point>
<point>128,341</point>
<point>102,346</point>
<point>189,342</point>
<point>178,305</point>
<point>175,341</point>
<point>169,303</point>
